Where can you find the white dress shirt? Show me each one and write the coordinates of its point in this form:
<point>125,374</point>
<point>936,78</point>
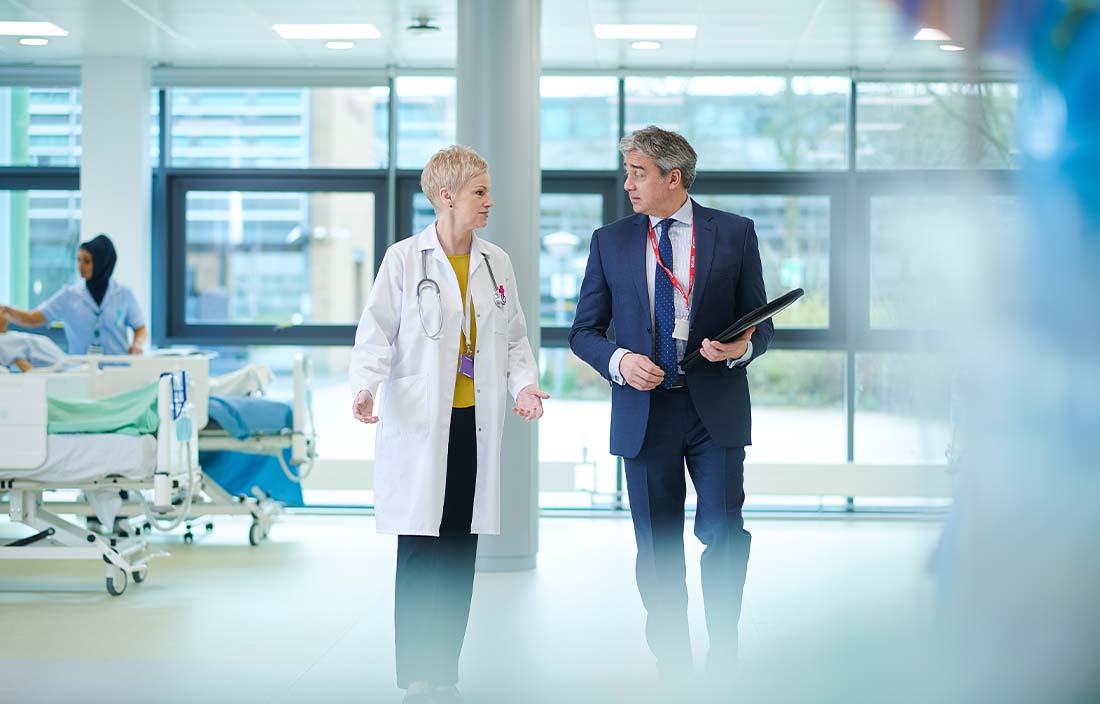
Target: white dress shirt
<point>679,232</point>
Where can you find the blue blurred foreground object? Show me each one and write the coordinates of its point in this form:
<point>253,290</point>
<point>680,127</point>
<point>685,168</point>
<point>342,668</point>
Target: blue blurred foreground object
<point>1020,569</point>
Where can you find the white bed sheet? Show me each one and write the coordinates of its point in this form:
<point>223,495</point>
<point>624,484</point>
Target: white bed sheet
<point>83,457</point>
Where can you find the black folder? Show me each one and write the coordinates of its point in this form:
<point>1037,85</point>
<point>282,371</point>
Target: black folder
<point>747,321</point>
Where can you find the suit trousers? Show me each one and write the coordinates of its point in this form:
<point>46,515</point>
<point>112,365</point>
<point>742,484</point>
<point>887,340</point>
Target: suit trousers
<point>435,575</point>
<point>657,488</point>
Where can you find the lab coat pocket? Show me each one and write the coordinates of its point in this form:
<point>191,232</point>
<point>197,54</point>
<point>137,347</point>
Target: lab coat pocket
<point>405,405</point>
<point>500,341</point>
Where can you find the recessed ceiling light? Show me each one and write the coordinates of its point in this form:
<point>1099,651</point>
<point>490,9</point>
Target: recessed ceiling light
<point>422,24</point>
<point>645,46</point>
<point>930,34</point>
<point>645,31</point>
<point>34,41</point>
<point>340,45</point>
<point>326,31</point>
<point>38,29</point>
<point>952,47</point>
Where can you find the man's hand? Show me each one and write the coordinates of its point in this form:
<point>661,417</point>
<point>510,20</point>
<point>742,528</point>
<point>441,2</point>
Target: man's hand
<point>721,351</point>
<point>640,372</point>
<point>5,312</point>
<point>363,408</point>
<point>135,349</point>
<point>529,402</point>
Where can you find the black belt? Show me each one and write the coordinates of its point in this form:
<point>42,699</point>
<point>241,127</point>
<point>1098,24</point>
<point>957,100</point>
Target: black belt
<point>679,383</point>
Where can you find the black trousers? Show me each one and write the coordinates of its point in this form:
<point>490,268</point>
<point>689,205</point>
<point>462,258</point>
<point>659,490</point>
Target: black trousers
<point>435,576</point>
<point>655,482</point>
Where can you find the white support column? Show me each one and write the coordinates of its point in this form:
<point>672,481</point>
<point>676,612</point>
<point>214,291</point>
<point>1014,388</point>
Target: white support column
<point>115,175</point>
<point>498,68</point>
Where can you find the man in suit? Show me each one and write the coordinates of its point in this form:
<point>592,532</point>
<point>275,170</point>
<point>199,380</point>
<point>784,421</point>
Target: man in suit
<point>670,277</point>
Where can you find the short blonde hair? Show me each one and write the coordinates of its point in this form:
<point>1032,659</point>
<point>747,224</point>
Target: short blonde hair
<point>450,168</point>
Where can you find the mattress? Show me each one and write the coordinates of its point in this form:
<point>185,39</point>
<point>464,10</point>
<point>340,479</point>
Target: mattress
<point>80,457</point>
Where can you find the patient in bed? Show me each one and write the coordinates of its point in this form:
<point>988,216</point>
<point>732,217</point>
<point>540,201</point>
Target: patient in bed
<point>25,351</point>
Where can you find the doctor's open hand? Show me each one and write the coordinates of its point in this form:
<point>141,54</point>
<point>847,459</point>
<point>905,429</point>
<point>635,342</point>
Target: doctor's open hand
<point>529,402</point>
<point>363,408</point>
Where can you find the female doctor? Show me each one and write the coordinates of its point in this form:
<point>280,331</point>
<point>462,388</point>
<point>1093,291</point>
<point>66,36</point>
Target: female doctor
<point>444,335</point>
<point>98,314</point>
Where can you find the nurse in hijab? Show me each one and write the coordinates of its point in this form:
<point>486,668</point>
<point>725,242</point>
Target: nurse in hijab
<point>98,313</point>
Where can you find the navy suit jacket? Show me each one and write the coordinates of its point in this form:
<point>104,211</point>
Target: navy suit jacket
<point>728,283</point>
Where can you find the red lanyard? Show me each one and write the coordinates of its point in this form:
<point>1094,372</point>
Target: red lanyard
<point>672,277</point>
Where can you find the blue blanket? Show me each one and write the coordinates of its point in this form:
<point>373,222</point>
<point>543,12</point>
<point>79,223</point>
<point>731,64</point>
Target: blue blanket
<point>238,472</point>
<point>244,416</point>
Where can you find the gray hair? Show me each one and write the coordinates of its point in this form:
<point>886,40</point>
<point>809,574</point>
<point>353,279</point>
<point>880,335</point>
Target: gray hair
<point>669,149</point>
<point>450,168</point>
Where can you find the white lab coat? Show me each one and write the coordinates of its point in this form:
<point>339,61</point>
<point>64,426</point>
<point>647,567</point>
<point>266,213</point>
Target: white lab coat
<point>417,375</point>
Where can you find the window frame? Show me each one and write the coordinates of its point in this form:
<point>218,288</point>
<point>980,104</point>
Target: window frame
<point>849,191</point>
<point>180,182</point>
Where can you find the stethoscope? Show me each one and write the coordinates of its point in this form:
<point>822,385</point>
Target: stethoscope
<point>427,283</point>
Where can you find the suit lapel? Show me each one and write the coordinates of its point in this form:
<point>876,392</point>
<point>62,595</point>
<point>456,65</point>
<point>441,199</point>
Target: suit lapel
<point>637,239</point>
<point>705,236</point>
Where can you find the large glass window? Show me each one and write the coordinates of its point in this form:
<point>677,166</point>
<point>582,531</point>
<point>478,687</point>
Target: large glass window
<point>578,470</point>
<point>39,236</point>
<point>280,127</point>
<point>798,407</point>
<point>423,213</point>
<point>567,221</point>
<point>425,118</point>
<point>748,123</point>
<point>269,251</point>
<point>793,232</point>
<point>39,126</point>
<point>580,122</point>
<point>936,125</point>
<point>281,258</point>
<point>917,242</point>
<point>902,407</point>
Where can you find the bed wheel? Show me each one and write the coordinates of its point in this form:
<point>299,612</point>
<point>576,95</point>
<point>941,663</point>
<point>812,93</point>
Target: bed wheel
<point>188,537</point>
<point>139,575</point>
<point>256,533</point>
<point>116,580</point>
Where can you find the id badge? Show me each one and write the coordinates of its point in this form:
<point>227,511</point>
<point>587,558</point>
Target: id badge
<point>466,365</point>
<point>680,330</point>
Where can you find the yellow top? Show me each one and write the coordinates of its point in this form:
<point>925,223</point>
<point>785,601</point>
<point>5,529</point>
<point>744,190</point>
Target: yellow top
<point>464,385</point>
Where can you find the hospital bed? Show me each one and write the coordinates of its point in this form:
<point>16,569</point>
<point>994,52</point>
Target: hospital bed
<point>34,460</point>
<point>243,420</point>
<point>257,429</point>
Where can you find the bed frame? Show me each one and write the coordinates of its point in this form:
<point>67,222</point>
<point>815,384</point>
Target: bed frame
<point>97,375</point>
<point>23,445</point>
